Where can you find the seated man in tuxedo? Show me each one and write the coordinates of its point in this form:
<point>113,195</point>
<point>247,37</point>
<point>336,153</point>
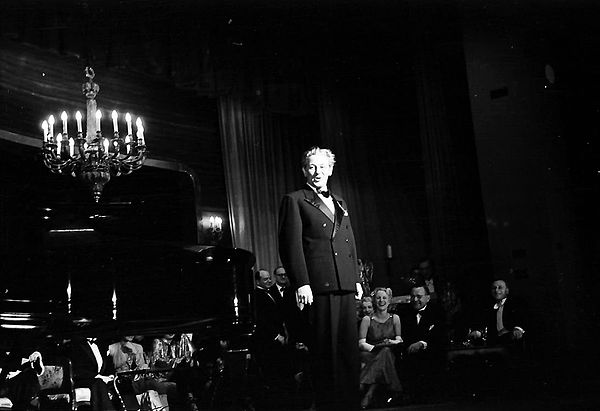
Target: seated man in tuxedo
<point>89,371</point>
<point>424,335</point>
<point>504,320</point>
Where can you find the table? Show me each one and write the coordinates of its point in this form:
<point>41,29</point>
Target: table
<point>144,371</point>
<point>474,351</point>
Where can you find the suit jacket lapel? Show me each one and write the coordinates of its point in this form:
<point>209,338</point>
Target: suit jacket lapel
<point>340,212</point>
<point>316,201</point>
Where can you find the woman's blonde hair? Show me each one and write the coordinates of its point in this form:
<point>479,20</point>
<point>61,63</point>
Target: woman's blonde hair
<point>388,291</point>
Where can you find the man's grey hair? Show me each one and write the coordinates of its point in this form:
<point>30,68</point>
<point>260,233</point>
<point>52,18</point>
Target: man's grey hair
<point>317,150</point>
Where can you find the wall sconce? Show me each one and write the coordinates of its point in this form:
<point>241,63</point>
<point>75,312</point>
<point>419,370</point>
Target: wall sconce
<point>215,228</point>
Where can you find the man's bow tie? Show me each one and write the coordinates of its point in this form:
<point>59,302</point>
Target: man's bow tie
<point>324,193</point>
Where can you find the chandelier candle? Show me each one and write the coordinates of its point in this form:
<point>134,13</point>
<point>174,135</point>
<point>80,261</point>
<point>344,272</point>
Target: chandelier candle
<point>90,157</point>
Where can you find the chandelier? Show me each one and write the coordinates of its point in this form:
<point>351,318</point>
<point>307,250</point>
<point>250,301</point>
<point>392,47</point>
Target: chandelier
<point>92,157</point>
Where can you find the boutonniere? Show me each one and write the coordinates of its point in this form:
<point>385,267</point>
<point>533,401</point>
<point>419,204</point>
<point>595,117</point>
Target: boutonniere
<point>342,207</point>
<point>431,327</point>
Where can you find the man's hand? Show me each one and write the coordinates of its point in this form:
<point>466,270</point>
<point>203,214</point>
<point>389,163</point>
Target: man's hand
<point>280,339</point>
<point>304,296</point>
<point>415,347</point>
<point>517,334</point>
<point>35,359</point>
<point>359,291</point>
<point>34,356</point>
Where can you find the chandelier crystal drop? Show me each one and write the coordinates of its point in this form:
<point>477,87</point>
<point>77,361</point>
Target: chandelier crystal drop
<point>92,157</point>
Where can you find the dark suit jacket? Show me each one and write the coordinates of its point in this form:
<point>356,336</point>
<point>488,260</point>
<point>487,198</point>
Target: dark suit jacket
<point>431,328</point>
<point>316,247</point>
<point>512,316</point>
<point>269,318</point>
<point>296,321</point>
<point>85,366</point>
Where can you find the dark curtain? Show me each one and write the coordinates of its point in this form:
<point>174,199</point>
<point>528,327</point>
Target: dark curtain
<point>379,173</point>
<point>459,242</point>
<point>261,155</point>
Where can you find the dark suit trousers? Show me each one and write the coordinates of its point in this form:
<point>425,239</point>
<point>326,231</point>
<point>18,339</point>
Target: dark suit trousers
<point>334,351</point>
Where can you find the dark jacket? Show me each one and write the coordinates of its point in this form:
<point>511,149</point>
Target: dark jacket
<point>431,328</point>
<point>512,316</point>
<point>316,247</point>
<point>296,321</point>
<point>85,366</point>
<point>269,318</point>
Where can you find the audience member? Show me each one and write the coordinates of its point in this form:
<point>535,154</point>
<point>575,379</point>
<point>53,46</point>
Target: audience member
<point>367,306</point>
<point>128,356</point>
<point>379,333</point>
<point>270,336</point>
<point>504,319</point>
<point>296,325</point>
<point>176,353</point>
<point>89,371</point>
<point>424,335</point>
<point>282,283</point>
<point>22,385</point>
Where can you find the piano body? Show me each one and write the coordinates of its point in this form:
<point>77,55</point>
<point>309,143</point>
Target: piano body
<point>130,265</point>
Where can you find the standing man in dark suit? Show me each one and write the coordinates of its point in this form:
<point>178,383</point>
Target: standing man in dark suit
<point>88,372</point>
<point>270,337</point>
<point>317,249</point>
<point>424,335</point>
<point>285,298</point>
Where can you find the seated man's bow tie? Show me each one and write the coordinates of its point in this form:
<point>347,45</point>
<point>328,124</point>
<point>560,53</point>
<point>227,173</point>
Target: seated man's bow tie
<point>498,305</point>
<point>324,193</point>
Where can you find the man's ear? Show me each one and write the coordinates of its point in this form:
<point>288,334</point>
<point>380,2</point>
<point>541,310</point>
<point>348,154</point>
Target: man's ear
<point>304,172</point>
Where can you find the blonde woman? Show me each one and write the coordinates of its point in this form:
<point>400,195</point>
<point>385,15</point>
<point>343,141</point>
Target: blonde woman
<point>378,334</point>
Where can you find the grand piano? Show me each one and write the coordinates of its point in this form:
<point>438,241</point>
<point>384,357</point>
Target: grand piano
<point>130,265</point>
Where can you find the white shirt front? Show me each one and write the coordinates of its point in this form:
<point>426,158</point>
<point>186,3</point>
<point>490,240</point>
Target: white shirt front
<point>280,289</point>
<point>97,354</point>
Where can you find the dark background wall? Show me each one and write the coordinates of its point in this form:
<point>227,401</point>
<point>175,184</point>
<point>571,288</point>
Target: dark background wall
<point>532,90</point>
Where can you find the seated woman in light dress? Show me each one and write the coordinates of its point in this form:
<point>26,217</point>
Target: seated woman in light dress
<point>378,334</point>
